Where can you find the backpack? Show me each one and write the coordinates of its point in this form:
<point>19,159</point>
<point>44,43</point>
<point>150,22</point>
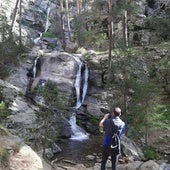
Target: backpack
<point>114,146</point>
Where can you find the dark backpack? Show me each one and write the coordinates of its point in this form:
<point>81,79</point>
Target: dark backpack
<point>114,146</point>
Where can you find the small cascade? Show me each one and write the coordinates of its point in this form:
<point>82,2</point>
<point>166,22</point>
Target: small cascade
<point>78,83</point>
<point>81,84</point>
<point>35,67</point>
<point>47,19</point>
<point>38,39</point>
<point>78,133</point>
<point>47,24</point>
<point>85,82</point>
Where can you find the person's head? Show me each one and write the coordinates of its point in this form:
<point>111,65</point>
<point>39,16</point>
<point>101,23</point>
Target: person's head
<point>117,111</point>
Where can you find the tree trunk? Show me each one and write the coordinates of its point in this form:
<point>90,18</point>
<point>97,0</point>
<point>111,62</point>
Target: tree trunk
<point>110,27</point>
<point>68,20</point>
<point>79,21</point>
<point>146,127</point>
<point>79,6</point>
<point>62,24</point>
<point>14,16</point>
<point>125,32</point>
<point>20,31</point>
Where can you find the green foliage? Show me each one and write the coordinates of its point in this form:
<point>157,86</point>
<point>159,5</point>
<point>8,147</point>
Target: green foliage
<point>49,35</point>
<point>4,155</point>
<point>135,90</point>
<point>53,97</point>
<point>9,56</point>
<point>4,72</point>
<point>3,111</point>
<point>160,25</point>
<point>150,154</point>
<point>123,5</point>
<point>49,92</point>
<point>161,117</point>
<point>141,107</point>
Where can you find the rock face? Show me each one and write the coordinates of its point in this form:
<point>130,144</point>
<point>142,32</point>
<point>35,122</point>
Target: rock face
<point>22,156</point>
<point>60,68</point>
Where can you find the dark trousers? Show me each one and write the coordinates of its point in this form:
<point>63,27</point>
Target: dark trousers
<point>105,154</point>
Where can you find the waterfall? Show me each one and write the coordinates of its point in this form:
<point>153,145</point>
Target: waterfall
<point>35,67</point>
<point>47,19</point>
<point>85,85</point>
<point>47,24</point>
<point>78,133</point>
<point>81,84</point>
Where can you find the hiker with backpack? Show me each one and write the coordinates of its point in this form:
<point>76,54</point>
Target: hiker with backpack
<point>113,127</point>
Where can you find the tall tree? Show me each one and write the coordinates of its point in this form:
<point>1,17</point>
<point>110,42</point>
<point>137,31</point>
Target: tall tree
<point>80,28</point>
<point>62,24</point>
<point>79,7</point>
<point>110,30</point>
<point>125,30</point>
<point>14,15</point>
<point>20,30</point>
<point>68,20</point>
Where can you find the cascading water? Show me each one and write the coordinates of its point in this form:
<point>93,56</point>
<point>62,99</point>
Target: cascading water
<point>81,84</point>
<point>38,40</point>
<point>35,67</point>
<point>47,24</point>
<point>47,20</point>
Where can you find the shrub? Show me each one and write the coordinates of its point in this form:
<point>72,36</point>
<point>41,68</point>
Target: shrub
<point>4,155</point>
<point>4,72</point>
<point>3,111</point>
<point>49,35</point>
<point>150,154</point>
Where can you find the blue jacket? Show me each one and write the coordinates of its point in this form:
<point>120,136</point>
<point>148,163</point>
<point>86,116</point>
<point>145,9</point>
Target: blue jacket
<point>111,126</point>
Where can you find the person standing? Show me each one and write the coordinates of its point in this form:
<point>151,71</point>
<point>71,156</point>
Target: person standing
<point>109,129</point>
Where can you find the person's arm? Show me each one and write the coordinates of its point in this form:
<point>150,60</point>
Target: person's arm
<point>104,118</point>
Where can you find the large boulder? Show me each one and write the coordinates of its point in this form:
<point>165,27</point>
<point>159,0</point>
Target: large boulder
<point>130,148</point>
<point>59,68</point>
<point>21,155</point>
<point>149,165</point>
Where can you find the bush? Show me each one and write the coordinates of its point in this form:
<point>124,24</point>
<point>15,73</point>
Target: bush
<point>150,154</point>
<point>49,35</point>
<point>3,111</point>
<point>4,72</point>
<point>4,155</point>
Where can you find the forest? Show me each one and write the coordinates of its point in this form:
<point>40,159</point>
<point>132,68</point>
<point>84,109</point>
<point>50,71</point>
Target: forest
<point>125,45</point>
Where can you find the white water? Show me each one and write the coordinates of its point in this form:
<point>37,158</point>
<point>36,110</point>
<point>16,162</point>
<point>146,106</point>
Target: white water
<point>79,133</point>
<point>47,24</point>
<point>47,20</point>
<point>35,67</point>
<point>38,39</point>
<point>78,83</point>
<point>85,86</point>
<point>79,76</point>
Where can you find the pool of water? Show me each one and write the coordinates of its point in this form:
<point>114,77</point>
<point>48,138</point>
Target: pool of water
<point>77,151</point>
